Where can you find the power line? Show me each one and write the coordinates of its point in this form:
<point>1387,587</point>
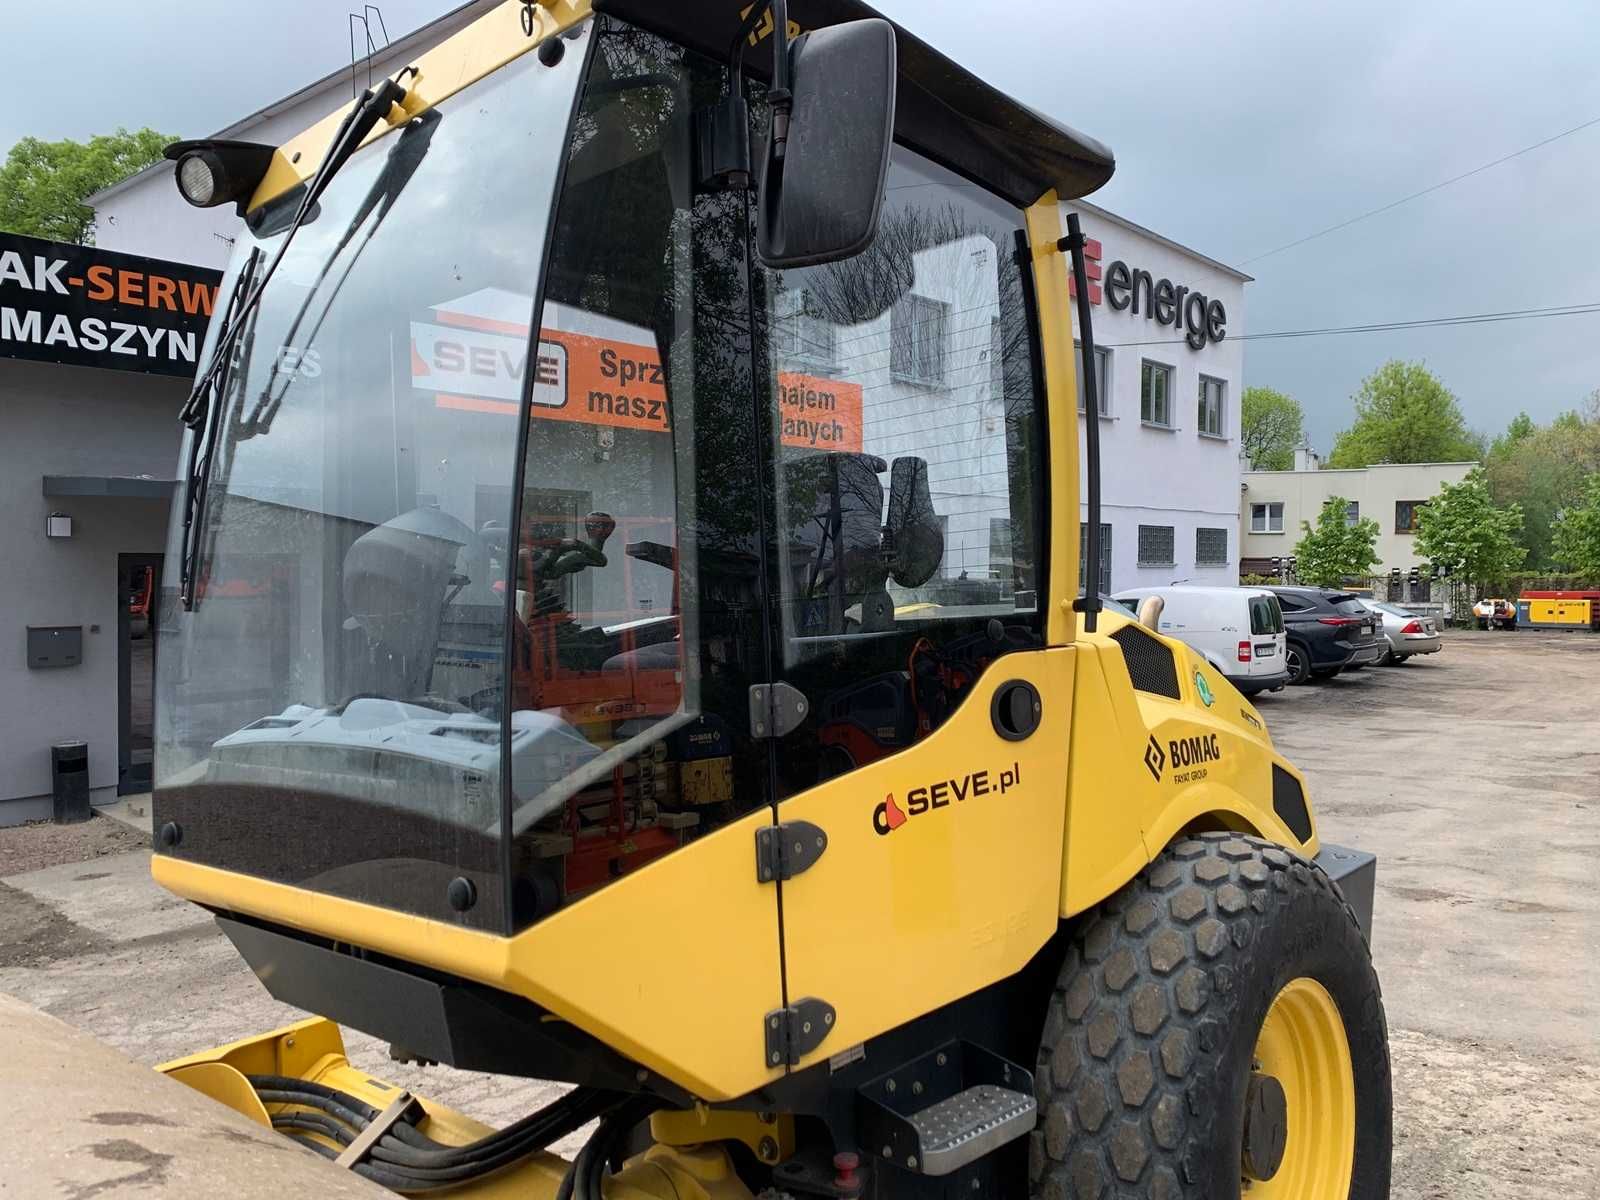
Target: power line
<point>1425,191</point>
<point>1520,314</point>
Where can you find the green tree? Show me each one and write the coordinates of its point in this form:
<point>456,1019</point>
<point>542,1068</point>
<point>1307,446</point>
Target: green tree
<point>43,184</point>
<point>1544,472</point>
<point>1462,529</point>
<point>1335,549</point>
<point>1577,532</point>
<point>1518,431</point>
<point>1404,414</point>
<point>1271,425</point>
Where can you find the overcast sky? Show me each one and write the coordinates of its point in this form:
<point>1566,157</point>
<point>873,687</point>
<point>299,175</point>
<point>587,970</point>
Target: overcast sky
<point>1237,127</point>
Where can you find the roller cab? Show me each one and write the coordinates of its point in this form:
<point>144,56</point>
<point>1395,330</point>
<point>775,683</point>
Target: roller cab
<point>628,629</point>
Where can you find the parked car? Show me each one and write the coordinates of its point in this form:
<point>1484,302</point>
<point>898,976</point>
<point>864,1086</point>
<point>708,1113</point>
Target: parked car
<point>1237,630</point>
<point>1407,633</point>
<point>1328,630</point>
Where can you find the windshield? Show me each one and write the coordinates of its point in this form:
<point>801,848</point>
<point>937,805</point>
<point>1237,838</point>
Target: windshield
<point>337,693</point>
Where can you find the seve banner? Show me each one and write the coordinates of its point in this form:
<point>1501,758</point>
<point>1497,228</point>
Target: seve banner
<point>88,307</point>
<point>599,381</point>
<point>478,365</point>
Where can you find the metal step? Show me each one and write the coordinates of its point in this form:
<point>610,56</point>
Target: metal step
<point>946,1110</point>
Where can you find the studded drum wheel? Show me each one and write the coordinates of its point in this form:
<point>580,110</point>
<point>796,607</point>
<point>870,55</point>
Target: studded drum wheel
<point>1216,1031</point>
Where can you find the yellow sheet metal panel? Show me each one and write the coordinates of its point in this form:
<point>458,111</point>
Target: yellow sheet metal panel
<point>1145,767</point>
<point>1061,389</point>
<point>491,41</point>
<point>943,863</point>
<point>674,965</point>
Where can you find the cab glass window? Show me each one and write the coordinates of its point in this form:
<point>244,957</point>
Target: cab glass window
<point>909,472</point>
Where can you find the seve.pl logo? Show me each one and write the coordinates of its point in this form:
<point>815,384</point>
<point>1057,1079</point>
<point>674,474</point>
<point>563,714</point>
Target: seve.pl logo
<point>889,816</point>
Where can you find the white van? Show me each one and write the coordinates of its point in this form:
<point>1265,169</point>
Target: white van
<point>1238,630</point>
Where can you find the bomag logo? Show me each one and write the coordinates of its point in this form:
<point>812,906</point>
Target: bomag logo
<point>889,816</point>
<point>1184,755</point>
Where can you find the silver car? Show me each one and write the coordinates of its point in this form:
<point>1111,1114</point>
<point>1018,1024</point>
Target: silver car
<point>1406,632</point>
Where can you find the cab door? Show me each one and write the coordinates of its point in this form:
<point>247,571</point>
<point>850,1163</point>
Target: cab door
<point>920,769</point>
<point>641,913</point>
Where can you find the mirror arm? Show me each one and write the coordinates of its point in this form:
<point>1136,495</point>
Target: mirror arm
<point>778,95</point>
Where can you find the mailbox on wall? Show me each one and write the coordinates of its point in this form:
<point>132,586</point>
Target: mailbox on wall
<point>54,646</point>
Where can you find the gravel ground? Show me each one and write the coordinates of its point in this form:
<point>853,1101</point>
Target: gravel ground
<point>1473,775</point>
<point>45,844</point>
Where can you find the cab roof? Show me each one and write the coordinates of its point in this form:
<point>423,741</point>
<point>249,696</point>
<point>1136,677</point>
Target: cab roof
<point>942,109</point>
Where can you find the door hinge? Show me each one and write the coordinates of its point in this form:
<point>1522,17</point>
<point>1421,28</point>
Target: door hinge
<point>776,709</point>
<point>792,1033</point>
<point>785,850</point>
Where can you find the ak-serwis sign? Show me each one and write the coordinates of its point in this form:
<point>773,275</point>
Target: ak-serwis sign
<point>95,308</point>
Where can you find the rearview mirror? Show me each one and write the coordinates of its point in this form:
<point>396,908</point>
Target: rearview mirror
<point>820,198</point>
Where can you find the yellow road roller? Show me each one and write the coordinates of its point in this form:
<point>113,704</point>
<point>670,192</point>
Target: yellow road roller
<point>629,632</point>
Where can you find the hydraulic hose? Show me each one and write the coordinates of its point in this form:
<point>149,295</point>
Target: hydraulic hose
<point>405,1159</point>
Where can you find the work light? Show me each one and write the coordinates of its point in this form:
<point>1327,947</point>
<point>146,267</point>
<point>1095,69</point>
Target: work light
<point>199,174</point>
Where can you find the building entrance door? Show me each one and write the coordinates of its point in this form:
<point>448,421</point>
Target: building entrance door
<point>138,593</point>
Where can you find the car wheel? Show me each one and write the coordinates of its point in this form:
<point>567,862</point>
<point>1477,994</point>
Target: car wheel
<point>1483,624</point>
<point>1297,662</point>
<point>1389,658</point>
<point>1218,1020</point>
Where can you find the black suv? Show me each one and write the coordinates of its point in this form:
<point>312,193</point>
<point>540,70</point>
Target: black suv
<point>1327,631</point>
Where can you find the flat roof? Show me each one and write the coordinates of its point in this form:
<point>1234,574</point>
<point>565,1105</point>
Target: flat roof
<point>1135,227</point>
<point>1358,470</point>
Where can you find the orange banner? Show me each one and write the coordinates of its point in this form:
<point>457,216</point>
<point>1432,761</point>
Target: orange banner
<point>597,381</point>
<point>819,414</point>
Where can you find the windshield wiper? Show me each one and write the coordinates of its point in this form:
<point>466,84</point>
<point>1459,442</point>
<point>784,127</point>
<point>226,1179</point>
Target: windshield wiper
<point>204,416</point>
<point>374,105</point>
<point>409,149</point>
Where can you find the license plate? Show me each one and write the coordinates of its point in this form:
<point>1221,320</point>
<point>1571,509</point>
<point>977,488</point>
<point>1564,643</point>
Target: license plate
<point>1266,651</point>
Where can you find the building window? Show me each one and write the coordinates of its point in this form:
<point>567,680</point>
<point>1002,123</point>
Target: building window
<point>1102,376</point>
<point>1352,514</point>
<point>1155,394</point>
<point>1157,546</point>
<point>1210,547</point>
<point>1212,422</point>
<point>1267,518</point>
<point>1105,556</point>
<point>917,328</point>
<point>800,331</point>
<point>1408,515</point>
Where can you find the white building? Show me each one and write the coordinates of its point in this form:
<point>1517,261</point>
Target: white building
<point>1170,367</point>
<point>1275,506</point>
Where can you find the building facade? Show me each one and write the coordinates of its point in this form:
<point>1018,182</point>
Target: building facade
<point>1169,370</point>
<point>97,353</point>
<point>1275,506</point>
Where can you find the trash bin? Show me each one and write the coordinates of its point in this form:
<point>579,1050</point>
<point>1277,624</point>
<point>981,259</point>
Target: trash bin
<point>69,781</point>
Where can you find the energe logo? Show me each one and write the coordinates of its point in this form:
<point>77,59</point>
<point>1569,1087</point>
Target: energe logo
<point>889,816</point>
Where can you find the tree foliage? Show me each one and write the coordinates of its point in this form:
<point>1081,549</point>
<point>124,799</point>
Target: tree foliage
<point>1405,414</point>
<point>1543,469</point>
<point>43,185</point>
<point>1463,530</point>
<point>1577,532</point>
<point>1335,549</point>
<point>1271,425</point>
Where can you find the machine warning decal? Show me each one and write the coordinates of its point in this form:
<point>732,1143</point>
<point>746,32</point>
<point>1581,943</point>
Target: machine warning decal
<point>889,816</point>
<point>1155,758</point>
<point>1204,688</point>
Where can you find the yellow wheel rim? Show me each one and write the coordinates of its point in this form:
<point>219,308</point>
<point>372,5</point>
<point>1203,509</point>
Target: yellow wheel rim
<point>1303,1046</point>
